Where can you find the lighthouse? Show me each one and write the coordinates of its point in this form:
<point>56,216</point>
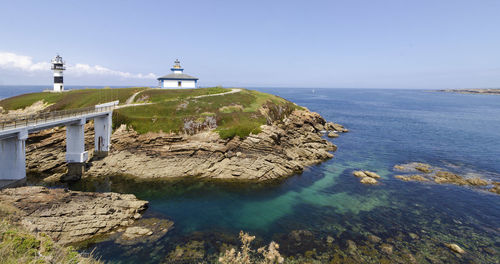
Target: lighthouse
<point>177,79</point>
<point>58,68</point>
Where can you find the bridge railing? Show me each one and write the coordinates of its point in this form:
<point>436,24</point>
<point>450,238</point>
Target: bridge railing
<point>44,117</point>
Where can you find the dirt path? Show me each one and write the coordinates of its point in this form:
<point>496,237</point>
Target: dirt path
<point>233,90</point>
<point>131,98</point>
<point>129,101</point>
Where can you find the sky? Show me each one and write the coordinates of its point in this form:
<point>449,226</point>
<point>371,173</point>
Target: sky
<point>331,44</point>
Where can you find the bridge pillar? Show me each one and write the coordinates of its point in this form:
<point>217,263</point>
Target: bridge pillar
<point>76,156</point>
<point>102,135</point>
<point>13,157</point>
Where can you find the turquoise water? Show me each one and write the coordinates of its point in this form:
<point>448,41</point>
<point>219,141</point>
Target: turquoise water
<point>387,127</point>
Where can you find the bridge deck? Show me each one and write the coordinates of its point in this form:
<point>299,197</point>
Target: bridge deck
<point>36,122</point>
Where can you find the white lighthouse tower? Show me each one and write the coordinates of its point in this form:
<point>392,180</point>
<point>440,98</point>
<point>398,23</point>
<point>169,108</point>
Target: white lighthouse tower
<point>58,68</point>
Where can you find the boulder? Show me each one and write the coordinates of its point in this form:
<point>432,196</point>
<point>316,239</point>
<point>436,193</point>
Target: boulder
<point>477,182</point>
<point>495,188</point>
<point>359,174</point>
<point>425,168</point>
<point>372,174</point>
<point>333,135</point>
<point>449,177</point>
<point>335,127</point>
<point>368,180</point>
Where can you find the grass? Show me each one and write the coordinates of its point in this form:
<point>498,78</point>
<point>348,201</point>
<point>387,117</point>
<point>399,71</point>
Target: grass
<point>236,114</point>
<point>71,99</point>
<point>17,245</point>
<point>173,111</point>
<point>162,95</point>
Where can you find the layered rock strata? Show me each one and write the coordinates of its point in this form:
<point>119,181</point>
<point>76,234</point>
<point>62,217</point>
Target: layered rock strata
<point>283,148</point>
<point>70,216</point>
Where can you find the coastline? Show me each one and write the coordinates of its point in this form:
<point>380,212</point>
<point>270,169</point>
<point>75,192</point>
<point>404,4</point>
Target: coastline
<point>493,91</point>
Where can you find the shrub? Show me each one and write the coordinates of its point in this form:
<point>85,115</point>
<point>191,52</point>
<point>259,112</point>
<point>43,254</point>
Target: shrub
<point>246,255</point>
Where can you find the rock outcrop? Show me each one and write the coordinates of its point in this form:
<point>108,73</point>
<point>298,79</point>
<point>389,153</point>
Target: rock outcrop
<point>367,177</point>
<point>71,216</point>
<point>427,173</point>
<point>283,148</point>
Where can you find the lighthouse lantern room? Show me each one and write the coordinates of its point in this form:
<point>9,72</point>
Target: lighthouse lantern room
<point>58,68</point>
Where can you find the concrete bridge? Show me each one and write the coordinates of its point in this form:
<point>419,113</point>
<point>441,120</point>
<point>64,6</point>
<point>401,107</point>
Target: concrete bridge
<point>15,131</point>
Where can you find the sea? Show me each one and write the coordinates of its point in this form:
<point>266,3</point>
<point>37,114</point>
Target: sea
<point>325,213</point>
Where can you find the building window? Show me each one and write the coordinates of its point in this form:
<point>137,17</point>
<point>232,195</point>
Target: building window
<point>179,84</point>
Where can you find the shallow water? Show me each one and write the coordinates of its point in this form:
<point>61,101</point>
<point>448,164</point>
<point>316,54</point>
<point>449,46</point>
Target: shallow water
<point>387,127</point>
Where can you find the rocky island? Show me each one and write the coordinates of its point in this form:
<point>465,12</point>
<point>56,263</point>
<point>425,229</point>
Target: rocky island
<point>212,133</point>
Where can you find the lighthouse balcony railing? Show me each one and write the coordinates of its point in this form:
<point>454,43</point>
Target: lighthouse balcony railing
<point>18,121</point>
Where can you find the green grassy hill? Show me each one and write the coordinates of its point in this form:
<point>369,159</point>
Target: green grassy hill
<point>178,111</point>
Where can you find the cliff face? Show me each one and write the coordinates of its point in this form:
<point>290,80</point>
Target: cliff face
<point>283,148</point>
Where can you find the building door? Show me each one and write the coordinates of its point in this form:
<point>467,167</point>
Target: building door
<point>179,84</point>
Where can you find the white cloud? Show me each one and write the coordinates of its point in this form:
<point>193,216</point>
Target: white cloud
<point>14,61</point>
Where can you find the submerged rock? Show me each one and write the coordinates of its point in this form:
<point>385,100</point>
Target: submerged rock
<point>191,252</point>
<point>136,231</point>
<point>146,230</point>
<point>299,236</point>
<point>71,216</point>
<point>413,236</point>
<point>386,248</point>
<point>374,238</point>
<point>454,247</point>
<point>351,246</point>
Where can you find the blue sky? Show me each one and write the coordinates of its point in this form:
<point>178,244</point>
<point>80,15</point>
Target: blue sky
<point>338,44</point>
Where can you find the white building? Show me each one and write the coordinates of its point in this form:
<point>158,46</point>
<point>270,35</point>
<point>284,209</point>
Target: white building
<point>58,68</point>
<point>177,79</point>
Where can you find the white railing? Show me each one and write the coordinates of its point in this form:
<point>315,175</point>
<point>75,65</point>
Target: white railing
<point>44,117</point>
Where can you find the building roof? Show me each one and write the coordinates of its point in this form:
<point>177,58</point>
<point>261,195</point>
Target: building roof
<point>177,76</point>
